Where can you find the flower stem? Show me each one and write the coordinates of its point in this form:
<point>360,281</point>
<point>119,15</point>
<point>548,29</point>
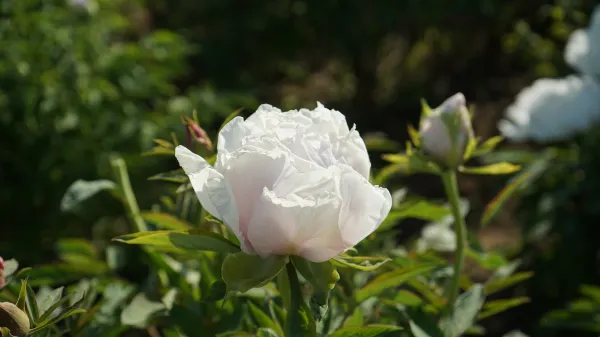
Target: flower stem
<point>299,321</point>
<point>451,188</point>
<point>120,170</point>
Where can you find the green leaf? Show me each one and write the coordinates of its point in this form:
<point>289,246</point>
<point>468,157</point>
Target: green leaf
<point>487,260</point>
<point>140,311</point>
<point>515,333</point>
<point>175,176</point>
<point>375,330</point>
<point>465,312</point>
<point>262,319</point>
<point>414,135</point>
<point>391,280</point>
<point>82,190</point>
<point>242,272</point>
<point>408,298</point>
<point>377,141</point>
<point>165,220</point>
<point>364,263</point>
<point>415,209</point>
<point>323,277</point>
<point>516,184</point>
<point>488,146</point>
<point>497,306</point>
<point>48,301</point>
<point>6,333</point>
<point>266,332</point>
<point>190,240</point>
<point>424,330</point>
<point>356,319</point>
<point>32,305</point>
<point>493,169</point>
<point>217,291</point>
<point>22,295</point>
<point>495,286</point>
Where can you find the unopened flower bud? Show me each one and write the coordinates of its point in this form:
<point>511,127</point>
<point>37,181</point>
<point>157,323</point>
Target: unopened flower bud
<point>14,319</point>
<point>446,131</point>
<point>194,133</point>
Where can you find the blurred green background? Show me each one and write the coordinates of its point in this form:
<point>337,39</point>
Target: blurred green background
<point>82,79</point>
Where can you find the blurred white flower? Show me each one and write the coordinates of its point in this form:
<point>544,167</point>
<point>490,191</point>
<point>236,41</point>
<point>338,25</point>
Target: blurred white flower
<point>583,47</point>
<point>552,109</point>
<point>437,140</point>
<point>440,235</point>
<point>290,183</point>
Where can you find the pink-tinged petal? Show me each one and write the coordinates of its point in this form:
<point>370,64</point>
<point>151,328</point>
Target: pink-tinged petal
<point>364,206</point>
<point>250,170</point>
<point>213,191</point>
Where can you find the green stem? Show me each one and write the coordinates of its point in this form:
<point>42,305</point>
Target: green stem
<point>453,194</point>
<point>120,170</point>
<point>299,321</point>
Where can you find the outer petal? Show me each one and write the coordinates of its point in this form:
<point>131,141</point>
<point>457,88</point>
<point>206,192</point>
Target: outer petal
<point>232,135</point>
<point>364,206</point>
<point>353,152</point>
<point>249,170</point>
<point>213,190</point>
<point>300,217</point>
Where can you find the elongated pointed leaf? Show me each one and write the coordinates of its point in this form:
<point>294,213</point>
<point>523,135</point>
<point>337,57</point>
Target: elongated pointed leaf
<point>391,280</point>
<point>374,330</point>
<point>191,240</point>
<point>495,286</point>
<point>497,306</point>
<point>32,306</point>
<point>22,295</point>
<point>361,263</point>
<point>492,169</point>
<point>165,220</point>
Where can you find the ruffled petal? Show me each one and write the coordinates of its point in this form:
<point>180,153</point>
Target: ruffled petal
<point>213,190</point>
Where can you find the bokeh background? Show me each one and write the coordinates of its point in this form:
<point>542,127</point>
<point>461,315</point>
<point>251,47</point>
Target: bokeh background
<point>83,79</point>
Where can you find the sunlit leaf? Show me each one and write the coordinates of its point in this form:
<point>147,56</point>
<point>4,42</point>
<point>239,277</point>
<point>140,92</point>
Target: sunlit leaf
<point>176,176</point>
<point>165,220</point>
<point>359,262</point>
<point>390,280</point>
<point>374,330</point>
<point>495,286</point>
<point>191,240</point>
<point>492,169</point>
<point>497,306</point>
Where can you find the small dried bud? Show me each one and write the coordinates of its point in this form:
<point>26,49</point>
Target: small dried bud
<point>446,132</point>
<point>194,133</point>
<point>14,319</point>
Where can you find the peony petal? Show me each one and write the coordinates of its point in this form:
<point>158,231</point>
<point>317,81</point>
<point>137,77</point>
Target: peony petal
<point>249,170</point>
<point>213,190</point>
<point>364,206</point>
<point>296,226</point>
<point>352,151</point>
<point>232,135</point>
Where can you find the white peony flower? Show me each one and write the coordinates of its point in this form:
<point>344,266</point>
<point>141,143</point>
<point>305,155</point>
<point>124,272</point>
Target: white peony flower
<point>437,140</point>
<point>440,235</point>
<point>552,109</point>
<point>583,47</point>
<point>290,183</point>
